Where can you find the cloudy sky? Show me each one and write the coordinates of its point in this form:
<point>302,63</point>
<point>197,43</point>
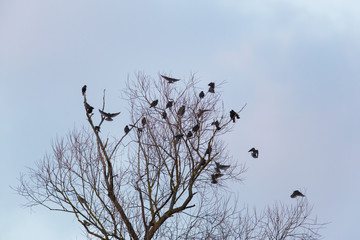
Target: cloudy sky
<point>295,64</point>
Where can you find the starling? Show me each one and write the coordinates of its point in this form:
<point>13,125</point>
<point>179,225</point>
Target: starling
<point>143,121</point>
<point>215,176</point>
<point>211,87</point>
<point>297,193</point>
<point>88,108</point>
<point>126,129</point>
<point>181,111</point>
<point>83,90</point>
<point>164,115</point>
<point>221,167</point>
<point>97,128</point>
<point>201,94</point>
<point>196,128</point>
<point>178,137</point>
<point>217,124</point>
<point>154,103</point>
<point>254,152</point>
<point>86,223</point>
<point>108,116</point>
<point>81,200</point>
<point>201,112</point>
<point>169,79</point>
<point>169,104</point>
<point>234,114</point>
<point>189,134</point>
<point>208,150</point>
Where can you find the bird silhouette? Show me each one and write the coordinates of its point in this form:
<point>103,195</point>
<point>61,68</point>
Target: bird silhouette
<point>83,90</point>
<point>164,115</point>
<point>178,137</point>
<point>201,112</point>
<point>86,223</point>
<point>297,193</point>
<point>169,104</point>
<point>143,121</point>
<point>181,111</point>
<point>217,124</point>
<point>211,87</point>
<point>234,115</point>
<point>97,128</point>
<point>126,129</point>
<point>169,79</point>
<point>189,134</point>
<point>108,116</point>
<point>154,103</point>
<point>201,94</point>
<point>215,176</point>
<point>203,161</point>
<point>88,108</point>
<point>196,128</point>
<point>254,152</point>
<point>221,167</point>
<point>81,200</point>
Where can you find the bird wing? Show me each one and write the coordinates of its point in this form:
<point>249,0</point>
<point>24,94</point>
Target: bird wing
<point>113,114</point>
<point>170,79</point>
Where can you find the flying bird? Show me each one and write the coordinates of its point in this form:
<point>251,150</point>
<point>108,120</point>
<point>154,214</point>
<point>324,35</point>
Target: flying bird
<point>221,167</point>
<point>196,128</point>
<point>126,129</point>
<point>143,121</point>
<point>254,152</point>
<point>164,115</point>
<point>81,200</point>
<point>297,193</point>
<point>217,124</point>
<point>154,103</point>
<point>234,115</point>
<point>189,134</point>
<point>211,87</point>
<point>169,104</point>
<point>201,112</point>
<point>169,79</point>
<point>83,90</point>
<point>108,116</point>
<point>215,176</point>
<point>88,108</point>
<point>201,94</point>
<point>181,111</point>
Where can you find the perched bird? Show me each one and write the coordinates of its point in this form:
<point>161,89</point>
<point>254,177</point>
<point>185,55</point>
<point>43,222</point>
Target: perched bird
<point>297,193</point>
<point>169,79</point>
<point>154,103</point>
<point>203,161</point>
<point>217,124</point>
<point>196,128</point>
<point>234,114</point>
<point>178,137</point>
<point>201,112</point>
<point>126,129</point>
<point>181,111</point>
<point>86,223</point>
<point>208,150</point>
<point>254,152</point>
<point>189,134</point>
<point>88,108</point>
<point>201,94</point>
<point>169,104</point>
<point>215,176</point>
<point>221,167</point>
<point>83,90</point>
<point>97,128</point>
<point>164,115</point>
<point>211,87</point>
<point>81,200</point>
<point>108,116</point>
<point>143,121</point>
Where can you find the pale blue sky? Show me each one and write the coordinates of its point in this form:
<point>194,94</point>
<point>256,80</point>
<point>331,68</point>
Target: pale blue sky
<point>295,63</point>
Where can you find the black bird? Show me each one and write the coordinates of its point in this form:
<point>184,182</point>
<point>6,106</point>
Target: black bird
<point>215,176</point>
<point>217,124</point>
<point>234,115</point>
<point>143,121</point>
<point>181,111</point>
<point>211,87</point>
<point>154,103</point>
<point>86,223</point>
<point>108,116</point>
<point>88,108</point>
<point>254,152</point>
<point>208,150</point>
<point>97,128</point>
<point>178,137</point>
<point>201,94</point>
<point>201,112</point>
<point>169,104</point>
<point>196,128</point>
<point>169,79</point>
<point>297,193</point>
<point>203,161</point>
<point>83,90</point>
<point>164,115</point>
<point>81,200</point>
<point>221,167</point>
<point>126,129</point>
<point>189,134</point>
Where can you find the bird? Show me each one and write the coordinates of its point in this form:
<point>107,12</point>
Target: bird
<point>201,112</point>
<point>254,152</point>
<point>234,114</point>
<point>169,104</point>
<point>143,121</point>
<point>211,87</point>
<point>203,161</point>
<point>208,150</point>
<point>201,94</point>
<point>126,129</point>
<point>86,223</point>
<point>181,111</point>
<point>81,200</point>
<point>297,193</point>
<point>189,134</point>
<point>108,116</point>
<point>97,128</point>
<point>221,167</point>
<point>215,176</point>
<point>164,115</point>
<point>169,79</point>
<point>83,90</point>
<point>88,108</point>
<point>154,103</point>
<point>217,124</point>
<point>196,128</point>
<point>178,137</point>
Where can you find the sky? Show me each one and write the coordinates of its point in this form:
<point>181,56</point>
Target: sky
<point>295,64</point>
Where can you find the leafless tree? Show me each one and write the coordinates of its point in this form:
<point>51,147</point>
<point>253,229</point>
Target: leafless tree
<point>163,178</point>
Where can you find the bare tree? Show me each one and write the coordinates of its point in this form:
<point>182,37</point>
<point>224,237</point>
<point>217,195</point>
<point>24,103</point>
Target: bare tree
<point>163,178</point>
